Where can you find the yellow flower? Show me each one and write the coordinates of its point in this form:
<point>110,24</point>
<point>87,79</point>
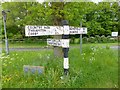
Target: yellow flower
<point>8,79</point>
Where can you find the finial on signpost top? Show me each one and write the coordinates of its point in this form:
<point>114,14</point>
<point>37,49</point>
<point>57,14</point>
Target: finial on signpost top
<point>64,22</point>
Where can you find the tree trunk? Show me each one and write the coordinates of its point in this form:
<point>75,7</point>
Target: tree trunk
<point>57,18</point>
<point>58,50</point>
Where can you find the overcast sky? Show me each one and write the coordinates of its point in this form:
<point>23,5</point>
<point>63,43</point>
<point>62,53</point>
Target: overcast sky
<point>96,1</point>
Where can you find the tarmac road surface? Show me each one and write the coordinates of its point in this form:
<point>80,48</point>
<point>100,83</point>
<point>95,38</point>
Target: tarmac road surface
<point>48,48</point>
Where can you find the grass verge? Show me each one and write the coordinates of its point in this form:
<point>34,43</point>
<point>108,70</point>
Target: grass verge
<point>96,67</point>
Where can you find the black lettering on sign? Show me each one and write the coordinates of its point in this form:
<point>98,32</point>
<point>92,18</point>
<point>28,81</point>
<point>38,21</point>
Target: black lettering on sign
<point>32,30</point>
<point>46,27</point>
<point>31,27</point>
<point>59,43</point>
<point>36,33</point>
<point>73,31</point>
<point>83,30</point>
<point>39,27</point>
<point>43,30</point>
<point>79,28</point>
<point>50,42</point>
<point>33,33</point>
<point>28,27</point>
<point>34,27</point>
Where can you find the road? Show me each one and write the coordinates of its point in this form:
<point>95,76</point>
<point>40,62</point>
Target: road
<point>48,48</point>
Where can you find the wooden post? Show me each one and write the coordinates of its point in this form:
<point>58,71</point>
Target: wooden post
<point>58,50</point>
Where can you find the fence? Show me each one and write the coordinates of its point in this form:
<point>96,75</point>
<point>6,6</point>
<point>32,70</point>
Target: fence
<point>96,39</point>
<point>25,44</point>
<point>39,44</point>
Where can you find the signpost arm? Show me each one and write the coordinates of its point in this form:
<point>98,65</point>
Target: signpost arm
<point>65,49</point>
<point>81,39</point>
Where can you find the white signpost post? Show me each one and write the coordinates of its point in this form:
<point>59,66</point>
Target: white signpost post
<point>33,30</point>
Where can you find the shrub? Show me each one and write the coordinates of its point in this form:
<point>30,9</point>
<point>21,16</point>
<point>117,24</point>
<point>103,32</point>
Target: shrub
<point>72,40</point>
<point>76,41</point>
<point>108,39</point>
<point>97,39</point>
<point>85,40</point>
<point>91,40</point>
<point>28,40</point>
<point>103,39</point>
<point>112,40</point>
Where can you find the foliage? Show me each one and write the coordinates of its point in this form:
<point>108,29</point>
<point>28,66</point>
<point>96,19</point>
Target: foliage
<point>96,39</point>
<point>100,19</point>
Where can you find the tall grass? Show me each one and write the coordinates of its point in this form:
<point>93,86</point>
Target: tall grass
<point>96,67</point>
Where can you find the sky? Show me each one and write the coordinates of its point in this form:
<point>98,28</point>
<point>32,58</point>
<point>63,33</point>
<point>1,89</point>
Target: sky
<point>96,1</point>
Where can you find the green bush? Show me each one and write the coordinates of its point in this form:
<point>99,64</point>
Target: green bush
<point>77,41</point>
<point>103,39</point>
<point>91,40</point>
<point>97,39</point>
<point>28,40</point>
<point>108,39</point>
<point>85,40</point>
<point>72,41</point>
<point>119,39</point>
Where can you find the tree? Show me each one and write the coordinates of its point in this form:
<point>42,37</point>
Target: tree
<point>101,18</point>
<point>57,16</point>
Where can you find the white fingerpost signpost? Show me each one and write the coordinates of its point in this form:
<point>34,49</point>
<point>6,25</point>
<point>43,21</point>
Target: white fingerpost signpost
<point>31,30</point>
<point>65,30</point>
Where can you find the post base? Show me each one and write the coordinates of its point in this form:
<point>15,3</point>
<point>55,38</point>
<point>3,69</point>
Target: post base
<point>66,71</point>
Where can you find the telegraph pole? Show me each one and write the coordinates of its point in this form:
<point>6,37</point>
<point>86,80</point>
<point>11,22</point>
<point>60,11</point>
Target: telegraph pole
<point>81,39</point>
<point>6,40</point>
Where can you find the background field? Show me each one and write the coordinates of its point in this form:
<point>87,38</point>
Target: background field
<point>96,67</point>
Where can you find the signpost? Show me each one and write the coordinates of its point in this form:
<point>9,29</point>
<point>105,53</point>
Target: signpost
<point>77,30</point>
<point>65,36</point>
<point>53,30</point>
<point>114,34</point>
<point>58,42</point>
<point>43,30</point>
<point>65,30</point>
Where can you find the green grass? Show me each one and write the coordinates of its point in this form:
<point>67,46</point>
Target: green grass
<point>96,68</point>
<point>24,45</point>
<point>37,45</point>
<point>97,44</point>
